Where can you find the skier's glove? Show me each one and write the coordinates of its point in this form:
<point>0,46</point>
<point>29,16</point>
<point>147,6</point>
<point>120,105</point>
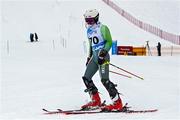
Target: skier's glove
<point>101,56</point>
<point>88,59</point>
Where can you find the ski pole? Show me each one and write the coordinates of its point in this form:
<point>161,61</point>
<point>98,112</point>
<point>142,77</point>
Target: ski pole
<point>120,74</point>
<point>124,70</point>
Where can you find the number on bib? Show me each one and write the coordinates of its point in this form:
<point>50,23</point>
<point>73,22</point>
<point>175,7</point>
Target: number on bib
<point>94,39</point>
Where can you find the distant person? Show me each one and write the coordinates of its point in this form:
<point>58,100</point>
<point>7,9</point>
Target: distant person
<point>31,37</point>
<point>100,42</point>
<point>159,49</point>
<point>36,37</point>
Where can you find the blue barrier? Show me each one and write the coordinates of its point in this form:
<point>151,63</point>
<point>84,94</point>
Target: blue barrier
<point>114,47</point>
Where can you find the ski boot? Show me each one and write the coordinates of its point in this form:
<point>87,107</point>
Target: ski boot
<point>94,103</point>
<point>116,106</point>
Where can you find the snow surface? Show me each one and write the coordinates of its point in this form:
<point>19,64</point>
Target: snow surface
<point>39,75</point>
<point>164,14</point>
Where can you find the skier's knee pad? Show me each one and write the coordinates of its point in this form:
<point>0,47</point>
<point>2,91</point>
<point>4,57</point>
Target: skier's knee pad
<point>91,88</point>
<point>111,87</point>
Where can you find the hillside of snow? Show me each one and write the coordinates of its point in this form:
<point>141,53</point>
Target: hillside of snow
<point>162,14</point>
<point>47,74</point>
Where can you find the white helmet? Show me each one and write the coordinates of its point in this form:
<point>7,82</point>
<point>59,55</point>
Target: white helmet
<point>91,16</point>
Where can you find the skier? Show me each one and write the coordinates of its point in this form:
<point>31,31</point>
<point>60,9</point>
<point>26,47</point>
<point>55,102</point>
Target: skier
<point>100,42</point>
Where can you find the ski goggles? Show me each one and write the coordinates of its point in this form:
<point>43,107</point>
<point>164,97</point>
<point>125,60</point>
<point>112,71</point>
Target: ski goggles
<point>90,21</point>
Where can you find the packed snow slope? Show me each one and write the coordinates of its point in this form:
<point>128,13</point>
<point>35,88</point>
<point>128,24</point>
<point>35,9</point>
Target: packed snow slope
<point>162,14</point>
<point>47,74</point>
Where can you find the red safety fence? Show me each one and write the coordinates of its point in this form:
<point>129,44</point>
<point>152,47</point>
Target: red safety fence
<point>147,27</point>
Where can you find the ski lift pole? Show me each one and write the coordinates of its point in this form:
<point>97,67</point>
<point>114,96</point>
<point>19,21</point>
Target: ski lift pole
<point>124,70</point>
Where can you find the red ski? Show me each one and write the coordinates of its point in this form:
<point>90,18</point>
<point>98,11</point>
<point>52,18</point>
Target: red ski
<point>79,111</point>
<point>96,112</point>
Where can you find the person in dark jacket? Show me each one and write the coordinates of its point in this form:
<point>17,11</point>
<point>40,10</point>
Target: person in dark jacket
<point>31,37</point>
<point>36,37</point>
<point>159,49</point>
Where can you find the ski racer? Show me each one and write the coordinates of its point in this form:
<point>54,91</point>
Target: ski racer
<point>100,42</point>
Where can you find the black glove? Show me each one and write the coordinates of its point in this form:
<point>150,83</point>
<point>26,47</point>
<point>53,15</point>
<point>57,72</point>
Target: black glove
<point>101,56</point>
<point>87,60</point>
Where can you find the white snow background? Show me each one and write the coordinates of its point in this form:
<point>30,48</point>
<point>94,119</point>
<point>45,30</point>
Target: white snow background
<point>47,74</point>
